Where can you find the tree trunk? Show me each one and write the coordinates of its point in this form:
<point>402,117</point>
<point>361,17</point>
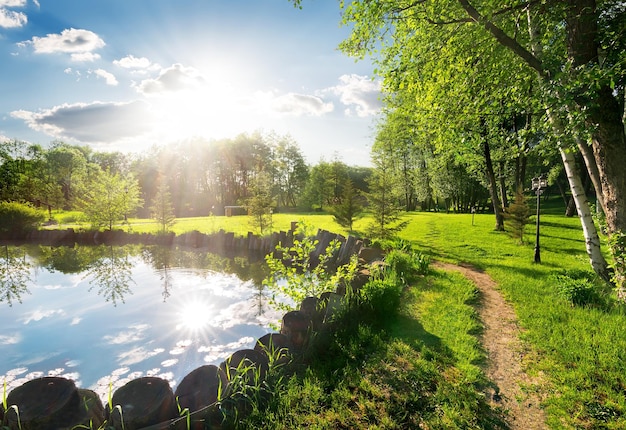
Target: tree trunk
<point>592,169</point>
<point>493,191</point>
<point>503,197</point>
<point>592,241</point>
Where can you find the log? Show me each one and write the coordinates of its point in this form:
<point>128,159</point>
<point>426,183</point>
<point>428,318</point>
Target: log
<point>143,402</point>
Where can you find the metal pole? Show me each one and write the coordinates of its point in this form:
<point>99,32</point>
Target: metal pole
<point>537,251</point>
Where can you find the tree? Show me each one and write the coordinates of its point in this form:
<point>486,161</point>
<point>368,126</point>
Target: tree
<point>261,201</point>
<point>319,189</point>
<point>67,164</point>
<point>518,215</point>
<point>384,195</point>
<point>290,170</point>
<point>162,209</point>
<point>349,207</point>
<point>110,198</point>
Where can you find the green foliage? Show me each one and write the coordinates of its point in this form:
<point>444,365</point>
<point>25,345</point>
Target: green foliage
<point>518,216</point>
<point>617,246</point>
<point>293,275</point>
<point>162,208</point>
<point>19,217</point>
<point>349,207</point>
<point>110,198</point>
<point>383,197</point>
<point>261,202</point>
<point>577,288</point>
<point>387,371</point>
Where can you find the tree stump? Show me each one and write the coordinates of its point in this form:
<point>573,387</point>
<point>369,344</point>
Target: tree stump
<point>250,364</point>
<point>296,326</point>
<point>275,346</point>
<point>201,387</point>
<point>143,402</point>
<point>43,403</point>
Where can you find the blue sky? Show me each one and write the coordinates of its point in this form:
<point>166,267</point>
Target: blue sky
<point>128,74</point>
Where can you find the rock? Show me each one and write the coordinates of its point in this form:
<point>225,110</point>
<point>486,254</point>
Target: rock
<point>311,307</point>
<point>371,254</point>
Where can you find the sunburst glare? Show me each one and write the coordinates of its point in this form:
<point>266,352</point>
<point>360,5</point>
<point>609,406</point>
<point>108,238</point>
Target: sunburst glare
<point>195,315</point>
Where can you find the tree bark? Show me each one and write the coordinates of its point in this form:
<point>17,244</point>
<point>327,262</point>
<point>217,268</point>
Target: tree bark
<point>493,187</point>
<point>592,241</point>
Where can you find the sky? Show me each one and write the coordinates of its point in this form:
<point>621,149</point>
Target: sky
<point>125,75</point>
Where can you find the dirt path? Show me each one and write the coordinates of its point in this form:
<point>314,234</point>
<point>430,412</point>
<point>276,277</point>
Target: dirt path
<point>500,339</point>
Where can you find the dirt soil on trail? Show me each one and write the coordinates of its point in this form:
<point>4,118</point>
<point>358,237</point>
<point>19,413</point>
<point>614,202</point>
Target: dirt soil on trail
<point>500,339</point>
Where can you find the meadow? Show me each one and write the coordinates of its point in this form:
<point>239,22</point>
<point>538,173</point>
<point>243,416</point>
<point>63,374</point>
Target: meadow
<point>425,366</point>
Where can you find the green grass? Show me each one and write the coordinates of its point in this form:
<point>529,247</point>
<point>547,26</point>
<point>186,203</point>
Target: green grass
<point>581,350</point>
<point>240,225</point>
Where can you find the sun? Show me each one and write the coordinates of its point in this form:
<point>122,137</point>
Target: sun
<point>206,107</point>
<point>195,315</point>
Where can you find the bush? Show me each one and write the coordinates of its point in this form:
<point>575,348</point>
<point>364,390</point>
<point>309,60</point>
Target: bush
<point>577,288</point>
<point>18,218</point>
<point>381,296</point>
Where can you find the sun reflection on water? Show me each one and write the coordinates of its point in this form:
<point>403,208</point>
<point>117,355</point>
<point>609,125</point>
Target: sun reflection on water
<point>195,315</point>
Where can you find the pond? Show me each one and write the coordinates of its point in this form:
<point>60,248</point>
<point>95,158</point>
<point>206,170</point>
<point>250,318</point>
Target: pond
<point>104,315</point>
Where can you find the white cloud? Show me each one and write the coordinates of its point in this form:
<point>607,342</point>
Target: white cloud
<point>137,355</point>
<point>85,57</point>
<point>174,78</point>
<point>12,19</point>
<point>12,3</point>
<point>39,314</point>
<point>71,41</point>
<point>301,104</point>
<point>134,334</point>
<point>359,93</point>
<point>108,77</point>
<point>132,62</point>
<point>76,320</point>
<point>96,122</point>
<point>9,339</point>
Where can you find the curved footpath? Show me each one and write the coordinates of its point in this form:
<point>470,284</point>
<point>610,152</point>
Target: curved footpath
<point>500,338</point>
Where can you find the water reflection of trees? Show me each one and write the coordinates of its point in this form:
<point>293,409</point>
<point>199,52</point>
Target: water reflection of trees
<point>110,267</point>
<point>163,259</point>
<point>14,275</point>
<point>111,274</point>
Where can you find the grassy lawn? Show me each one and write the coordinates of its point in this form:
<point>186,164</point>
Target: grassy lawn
<point>580,350</point>
<point>240,225</point>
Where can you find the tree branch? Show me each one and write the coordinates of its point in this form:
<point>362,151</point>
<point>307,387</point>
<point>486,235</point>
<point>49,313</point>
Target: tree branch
<point>504,39</point>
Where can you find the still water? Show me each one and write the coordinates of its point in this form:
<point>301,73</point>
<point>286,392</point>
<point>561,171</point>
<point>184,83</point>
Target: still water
<point>102,316</point>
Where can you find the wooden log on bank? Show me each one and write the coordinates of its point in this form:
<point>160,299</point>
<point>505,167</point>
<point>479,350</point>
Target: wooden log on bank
<point>50,403</point>
<point>296,325</point>
<point>201,387</point>
<point>142,402</point>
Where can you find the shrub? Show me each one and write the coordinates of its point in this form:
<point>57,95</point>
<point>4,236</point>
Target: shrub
<point>577,288</point>
<point>18,218</point>
<point>381,296</point>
